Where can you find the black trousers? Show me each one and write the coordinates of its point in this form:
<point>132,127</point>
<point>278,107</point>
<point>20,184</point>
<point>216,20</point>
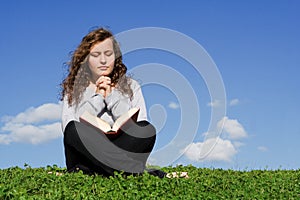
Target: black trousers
<point>92,152</point>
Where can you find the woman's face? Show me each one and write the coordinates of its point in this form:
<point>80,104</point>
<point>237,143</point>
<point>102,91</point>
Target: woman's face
<point>102,59</point>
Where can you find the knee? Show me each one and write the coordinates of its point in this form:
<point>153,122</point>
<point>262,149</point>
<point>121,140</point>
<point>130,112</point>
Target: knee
<point>147,128</point>
<point>70,131</point>
<point>151,129</point>
<point>146,124</point>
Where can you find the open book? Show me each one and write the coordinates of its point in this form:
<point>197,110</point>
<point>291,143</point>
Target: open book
<point>104,127</point>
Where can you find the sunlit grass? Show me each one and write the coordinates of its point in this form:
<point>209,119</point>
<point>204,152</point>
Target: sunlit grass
<point>203,183</point>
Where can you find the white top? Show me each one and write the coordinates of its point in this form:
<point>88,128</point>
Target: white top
<point>109,108</point>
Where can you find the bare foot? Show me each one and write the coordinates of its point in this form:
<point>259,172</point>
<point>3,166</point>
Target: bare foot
<point>177,175</point>
<point>56,173</point>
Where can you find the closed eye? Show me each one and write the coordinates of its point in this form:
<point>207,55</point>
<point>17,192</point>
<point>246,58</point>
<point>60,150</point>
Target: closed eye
<point>108,53</point>
<point>95,54</point>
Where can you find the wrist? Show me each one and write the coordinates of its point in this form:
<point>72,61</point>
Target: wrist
<point>101,91</point>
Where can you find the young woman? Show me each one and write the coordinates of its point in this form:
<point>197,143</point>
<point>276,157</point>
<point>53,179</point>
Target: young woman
<point>97,82</point>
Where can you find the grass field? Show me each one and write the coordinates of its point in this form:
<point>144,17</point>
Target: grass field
<point>203,183</point>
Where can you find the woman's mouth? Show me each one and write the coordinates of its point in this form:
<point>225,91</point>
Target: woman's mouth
<point>103,68</point>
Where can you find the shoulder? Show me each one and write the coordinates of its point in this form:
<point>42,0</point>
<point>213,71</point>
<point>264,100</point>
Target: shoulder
<point>134,84</point>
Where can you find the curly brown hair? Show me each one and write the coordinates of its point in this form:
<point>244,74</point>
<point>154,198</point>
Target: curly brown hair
<point>79,74</point>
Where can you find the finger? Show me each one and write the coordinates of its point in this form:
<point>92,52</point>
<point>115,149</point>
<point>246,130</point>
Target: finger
<point>106,83</point>
<point>102,91</point>
<point>103,79</point>
<point>108,91</point>
<point>103,85</point>
<point>106,79</point>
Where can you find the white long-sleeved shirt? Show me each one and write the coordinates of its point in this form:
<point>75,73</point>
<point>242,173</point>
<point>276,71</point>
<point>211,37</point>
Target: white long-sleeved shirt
<point>108,108</point>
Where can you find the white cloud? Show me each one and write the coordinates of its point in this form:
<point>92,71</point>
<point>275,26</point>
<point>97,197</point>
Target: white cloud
<point>238,144</point>
<point>214,103</point>
<point>173,105</point>
<point>233,128</point>
<point>262,148</point>
<point>31,134</point>
<point>217,150</point>
<point>5,139</point>
<point>205,134</point>
<point>49,111</point>
<point>234,102</point>
<point>35,125</point>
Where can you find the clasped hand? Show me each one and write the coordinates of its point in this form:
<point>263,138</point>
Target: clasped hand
<point>104,86</point>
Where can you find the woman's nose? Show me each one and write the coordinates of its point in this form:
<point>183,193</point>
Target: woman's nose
<point>102,59</point>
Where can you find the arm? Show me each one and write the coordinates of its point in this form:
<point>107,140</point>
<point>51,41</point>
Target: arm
<point>118,104</point>
<point>94,103</point>
<point>138,101</point>
<point>68,114</point>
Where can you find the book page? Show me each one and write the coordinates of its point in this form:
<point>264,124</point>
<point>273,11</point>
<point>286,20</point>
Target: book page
<point>95,121</point>
<point>124,118</point>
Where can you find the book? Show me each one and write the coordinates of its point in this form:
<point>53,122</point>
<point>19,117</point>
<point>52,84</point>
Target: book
<point>104,127</point>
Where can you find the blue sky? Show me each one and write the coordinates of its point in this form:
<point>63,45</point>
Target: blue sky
<point>255,46</point>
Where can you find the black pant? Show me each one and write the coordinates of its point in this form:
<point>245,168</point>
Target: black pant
<point>88,150</point>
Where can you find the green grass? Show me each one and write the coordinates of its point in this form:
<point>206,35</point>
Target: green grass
<point>204,183</point>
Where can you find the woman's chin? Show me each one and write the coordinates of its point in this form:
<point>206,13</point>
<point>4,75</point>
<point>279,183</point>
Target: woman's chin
<point>104,73</point>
